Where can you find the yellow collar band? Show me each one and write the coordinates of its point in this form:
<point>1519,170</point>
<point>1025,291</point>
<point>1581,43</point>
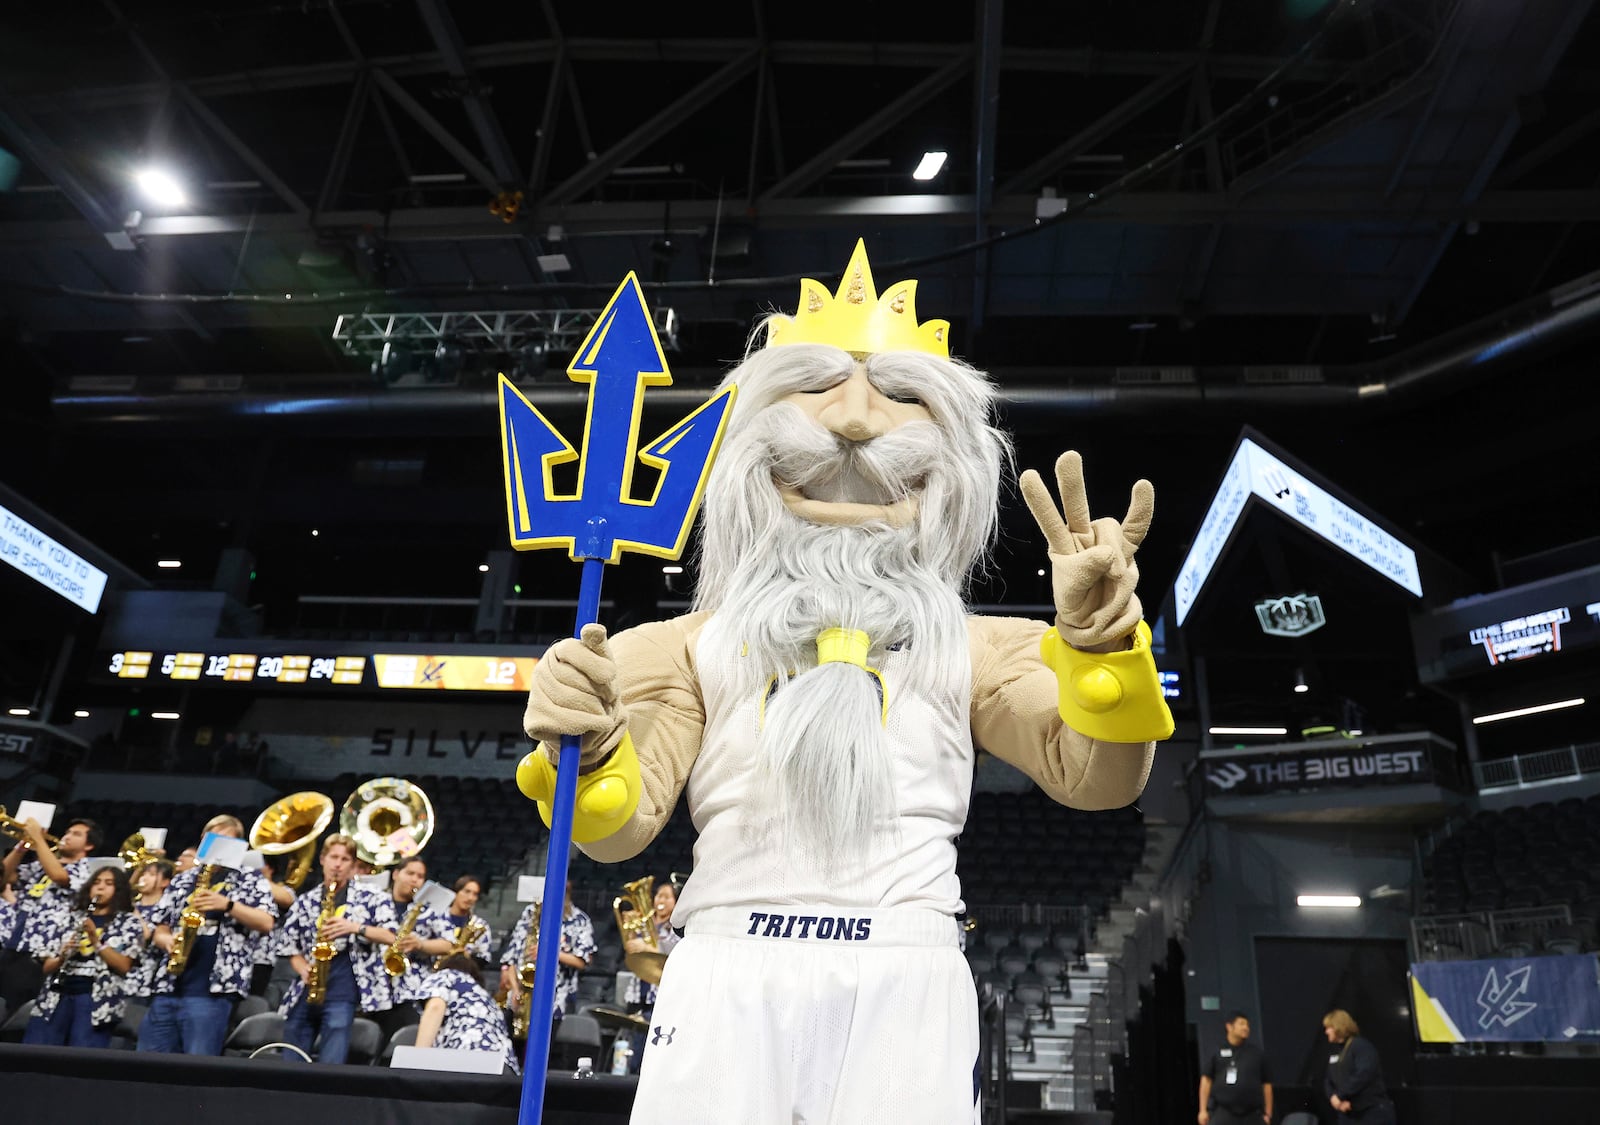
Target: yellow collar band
<point>843,646</point>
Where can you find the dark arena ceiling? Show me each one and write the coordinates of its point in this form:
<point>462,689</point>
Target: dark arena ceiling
<point>1370,229</point>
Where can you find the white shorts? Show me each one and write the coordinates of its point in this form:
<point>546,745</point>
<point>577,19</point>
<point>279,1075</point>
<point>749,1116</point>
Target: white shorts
<point>788,1015</point>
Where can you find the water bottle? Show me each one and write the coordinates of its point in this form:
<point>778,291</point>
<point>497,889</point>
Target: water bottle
<point>621,1055</point>
<point>585,1068</point>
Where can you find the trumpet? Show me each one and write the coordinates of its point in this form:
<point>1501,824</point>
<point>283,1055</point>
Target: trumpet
<point>522,1012</point>
<point>323,952</point>
<point>635,913</point>
<point>17,830</point>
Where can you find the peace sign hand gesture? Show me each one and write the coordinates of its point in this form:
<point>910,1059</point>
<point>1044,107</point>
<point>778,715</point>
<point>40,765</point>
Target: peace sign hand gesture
<point>1093,573</point>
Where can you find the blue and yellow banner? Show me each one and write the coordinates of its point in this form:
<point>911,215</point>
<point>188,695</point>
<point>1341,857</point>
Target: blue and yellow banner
<point>1508,999</point>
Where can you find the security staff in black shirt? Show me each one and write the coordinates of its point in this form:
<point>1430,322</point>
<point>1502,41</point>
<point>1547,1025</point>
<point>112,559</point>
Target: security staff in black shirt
<point>1354,1084</point>
<point>1235,1088</point>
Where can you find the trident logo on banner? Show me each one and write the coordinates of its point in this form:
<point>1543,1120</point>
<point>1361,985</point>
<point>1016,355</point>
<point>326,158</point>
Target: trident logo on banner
<point>619,360</point>
<point>601,518</point>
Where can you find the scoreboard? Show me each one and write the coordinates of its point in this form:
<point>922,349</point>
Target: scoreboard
<point>413,671</point>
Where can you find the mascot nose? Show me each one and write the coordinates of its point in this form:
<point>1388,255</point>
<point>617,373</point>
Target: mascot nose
<point>853,414</point>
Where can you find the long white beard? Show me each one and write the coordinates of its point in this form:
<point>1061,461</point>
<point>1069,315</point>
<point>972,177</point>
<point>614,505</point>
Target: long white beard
<point>775,582</point>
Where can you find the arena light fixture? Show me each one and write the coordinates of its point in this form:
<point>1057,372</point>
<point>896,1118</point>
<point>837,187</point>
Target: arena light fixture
<point>1300,685</point>
<point>164,715</point>
<point>931,164</point>
<point>672,570</point>
<point>160,187</point>
<point>1337,902</point>
<point>483,568</point>
<point>19,712</point>
<point>1250,730</point>
<point>169,564</point>
<point>80,714</point>
<point>1540,709</point>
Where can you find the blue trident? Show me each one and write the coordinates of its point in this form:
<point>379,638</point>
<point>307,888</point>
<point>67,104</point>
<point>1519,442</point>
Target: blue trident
<point>619,359</point>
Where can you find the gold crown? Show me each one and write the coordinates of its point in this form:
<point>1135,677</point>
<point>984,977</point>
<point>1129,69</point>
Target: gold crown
<point>857,319</point>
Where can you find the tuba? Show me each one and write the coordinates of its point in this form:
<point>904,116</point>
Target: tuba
<point>291,827</point>
<point>635,911</point>
<point>389,818</point>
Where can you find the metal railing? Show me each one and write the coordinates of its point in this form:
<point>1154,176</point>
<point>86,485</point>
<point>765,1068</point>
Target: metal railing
<point>1544,767</point>
<point>1479,934</point>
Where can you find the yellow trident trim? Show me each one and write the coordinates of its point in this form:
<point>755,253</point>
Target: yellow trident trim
<point>857,320</point>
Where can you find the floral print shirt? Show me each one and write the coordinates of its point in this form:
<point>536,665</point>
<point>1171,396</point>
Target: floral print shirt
<point>577,937</point>
<point>235,960</point>
<point>141,979</point>
<point>471,1020</point>
<point>364,907</point>
<point>123,933</point>
<point>43,908</point>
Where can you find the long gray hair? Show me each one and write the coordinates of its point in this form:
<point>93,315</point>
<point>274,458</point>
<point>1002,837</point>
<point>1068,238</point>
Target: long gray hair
<point>774,581</point>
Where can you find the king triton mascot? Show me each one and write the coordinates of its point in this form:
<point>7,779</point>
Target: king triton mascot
<point>822,707</point>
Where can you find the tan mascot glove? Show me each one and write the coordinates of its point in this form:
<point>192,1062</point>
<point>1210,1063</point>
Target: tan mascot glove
<point>1100,647</point>
<point>574,691</point>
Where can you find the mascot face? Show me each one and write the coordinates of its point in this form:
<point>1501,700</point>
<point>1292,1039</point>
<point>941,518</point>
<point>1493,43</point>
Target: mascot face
<point>856,410</point>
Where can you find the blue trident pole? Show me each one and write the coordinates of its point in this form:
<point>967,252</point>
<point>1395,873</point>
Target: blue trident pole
<point>620,359</point>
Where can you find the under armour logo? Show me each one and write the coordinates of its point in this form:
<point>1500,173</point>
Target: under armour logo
<point>1277,482</point>
<point>1227,775</point>
<point>662,1036</point>
<point>1498,998</point>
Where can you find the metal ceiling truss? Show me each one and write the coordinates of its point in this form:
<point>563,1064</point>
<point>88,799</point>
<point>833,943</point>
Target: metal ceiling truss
<point>560,331</point>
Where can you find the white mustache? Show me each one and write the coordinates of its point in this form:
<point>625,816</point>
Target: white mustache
<point>808,456</point>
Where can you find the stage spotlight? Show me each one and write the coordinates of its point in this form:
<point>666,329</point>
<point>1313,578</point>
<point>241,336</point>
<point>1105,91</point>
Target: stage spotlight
<point>931,164</point>
<point>160,187</point>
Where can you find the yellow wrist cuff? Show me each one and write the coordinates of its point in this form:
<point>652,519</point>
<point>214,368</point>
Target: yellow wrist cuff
<point>1109,696</point>
<point>607,795</point>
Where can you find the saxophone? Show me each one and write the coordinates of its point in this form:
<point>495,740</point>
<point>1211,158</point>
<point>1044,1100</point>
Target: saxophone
<point>464,938</point>
<point>323,952</point>
<point>523,1012</point>
<point>394,961</point>
<point>189,923</point>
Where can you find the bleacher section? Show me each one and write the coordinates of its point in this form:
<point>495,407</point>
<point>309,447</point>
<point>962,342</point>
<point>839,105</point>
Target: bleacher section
<point>1515,882</point>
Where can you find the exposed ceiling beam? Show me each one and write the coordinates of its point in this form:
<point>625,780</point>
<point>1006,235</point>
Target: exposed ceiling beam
<point>871,128</point>
<point>1152,95</point>
<point>1558,143</point>
<point>349,130</point>
<point>447,37</point>
<point>435,129</point>
<point>244,152</point>
<point>1162,208</point>
<point>667,119</point>
<point>1082,60</point>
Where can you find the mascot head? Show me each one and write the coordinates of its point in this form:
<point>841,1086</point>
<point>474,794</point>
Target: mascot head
<point>856,490</point>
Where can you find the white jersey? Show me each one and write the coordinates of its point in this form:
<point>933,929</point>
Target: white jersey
<point>735,862</point>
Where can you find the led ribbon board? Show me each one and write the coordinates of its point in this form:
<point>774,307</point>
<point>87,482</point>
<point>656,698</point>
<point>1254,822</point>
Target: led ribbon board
<point>1256,472</point>
<point>48,563</point>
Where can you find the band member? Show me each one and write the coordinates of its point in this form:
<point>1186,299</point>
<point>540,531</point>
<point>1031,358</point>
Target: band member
<point>469,888</point>
<point>352,925</point>
<point>459,1013</point>
<point>427,941</point>
<point>185,861</point>
<point>46,886</point>
<point>577,950</point>
<point>150,885</point>
<point>83,993</point>
<point>821,709</point>
<point>641,997</point>
<point>191,1001</point>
